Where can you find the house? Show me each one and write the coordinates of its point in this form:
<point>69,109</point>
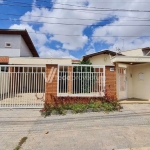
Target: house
<point>26,80</point>
<point>131,71</point>
<point>16,43</point>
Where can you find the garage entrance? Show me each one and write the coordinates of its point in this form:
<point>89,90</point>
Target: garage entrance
<point>22,86</point>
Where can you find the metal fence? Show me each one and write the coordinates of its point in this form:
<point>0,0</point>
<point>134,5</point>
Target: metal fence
<point>81,80</point>
<point>22,86</point>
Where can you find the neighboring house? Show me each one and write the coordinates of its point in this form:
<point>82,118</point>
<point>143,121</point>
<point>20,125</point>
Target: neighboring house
<point>131,72</point>
<point>137,52</point>
<point>16,43</point>
<point>26,80</point>
<point>104,58</point>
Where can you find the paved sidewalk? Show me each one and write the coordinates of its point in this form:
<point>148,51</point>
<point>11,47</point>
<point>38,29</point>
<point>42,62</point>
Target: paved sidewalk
<point>90,131</point>
<point>15,124</point>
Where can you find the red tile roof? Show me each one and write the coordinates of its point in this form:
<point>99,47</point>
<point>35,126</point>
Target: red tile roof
<point>75,61</point>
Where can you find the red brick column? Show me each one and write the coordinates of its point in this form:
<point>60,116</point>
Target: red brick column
<point>70,80</point>
<point>51,83</point>
<point>4,59</point>
<point>111,81</point>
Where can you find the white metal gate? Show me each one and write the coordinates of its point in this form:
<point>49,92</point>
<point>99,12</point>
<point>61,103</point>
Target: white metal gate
<point>81,80</point>
<point>22,86</point>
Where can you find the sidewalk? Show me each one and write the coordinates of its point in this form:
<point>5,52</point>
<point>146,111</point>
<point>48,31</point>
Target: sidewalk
<point>88,131</point>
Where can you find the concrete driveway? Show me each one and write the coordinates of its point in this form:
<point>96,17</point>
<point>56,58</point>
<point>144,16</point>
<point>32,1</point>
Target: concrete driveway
<point>90,131</point>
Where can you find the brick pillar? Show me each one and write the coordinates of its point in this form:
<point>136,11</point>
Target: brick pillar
<point>51,83</point>
<point>4,59</point>
<point>99,79</point>
<point>70,79</point>
<point>111,81</point>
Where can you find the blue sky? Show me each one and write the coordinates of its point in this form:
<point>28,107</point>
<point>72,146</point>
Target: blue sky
<point>93,35</point>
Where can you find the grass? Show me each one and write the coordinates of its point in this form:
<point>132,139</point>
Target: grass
<point>23,140</point>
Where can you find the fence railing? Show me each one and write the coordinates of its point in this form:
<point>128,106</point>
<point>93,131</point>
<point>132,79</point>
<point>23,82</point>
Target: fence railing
<point>22,86</point>
<point>81,80</point>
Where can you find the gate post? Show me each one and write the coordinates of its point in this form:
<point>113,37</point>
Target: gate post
<point>110,85</point>
<point>51,83</point>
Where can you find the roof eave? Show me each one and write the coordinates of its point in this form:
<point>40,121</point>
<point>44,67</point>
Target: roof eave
<point>86,57</point>
<point>131,59</point>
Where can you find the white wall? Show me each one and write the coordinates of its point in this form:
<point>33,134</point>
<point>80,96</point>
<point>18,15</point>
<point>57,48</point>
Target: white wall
<point>24,50</point>
<point>103,59</point>
<point>137,88</point>
<point>14,50</point>
<point>18,46</point>
<point>40,61</point>
<point>130,81</point>
<point>135,52</point>
<point>141,88</point>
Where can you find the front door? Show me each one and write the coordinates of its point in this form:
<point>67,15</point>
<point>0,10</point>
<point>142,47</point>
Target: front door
<point>122,83</point>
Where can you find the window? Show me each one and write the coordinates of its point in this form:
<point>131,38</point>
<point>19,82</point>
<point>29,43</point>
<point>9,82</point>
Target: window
<point>7,44</point>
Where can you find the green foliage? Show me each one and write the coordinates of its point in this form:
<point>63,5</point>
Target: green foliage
<point>23,140</point>
<point>81,108</point>
<point>86,62</point>
<point>83,78</point>
<point>81,105</point>
<point>107,107</point>
<point>60,110</point>
<point>96,107</point>
<point>47,110</point>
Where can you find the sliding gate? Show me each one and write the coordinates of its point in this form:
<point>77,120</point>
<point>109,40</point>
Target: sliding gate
<point>22,86</point>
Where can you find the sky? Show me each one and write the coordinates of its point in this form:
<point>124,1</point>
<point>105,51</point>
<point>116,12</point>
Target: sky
<point>73,28</point>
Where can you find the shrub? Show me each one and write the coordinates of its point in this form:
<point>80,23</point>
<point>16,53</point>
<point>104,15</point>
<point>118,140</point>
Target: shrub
<point>60,110</point>
<point>107,107</point>
<point>47,110</point>
<point>79,108</point>
<point>81,104</point>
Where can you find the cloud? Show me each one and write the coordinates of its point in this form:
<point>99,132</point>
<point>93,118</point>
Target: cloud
<point>90,51</point>
<point>1,1</point>
<point>78,42</point>
<point>131,44</point>
<point>135,33</point>
<point>68,42</point>
<point>51,53</point>
<point>38,39</point>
